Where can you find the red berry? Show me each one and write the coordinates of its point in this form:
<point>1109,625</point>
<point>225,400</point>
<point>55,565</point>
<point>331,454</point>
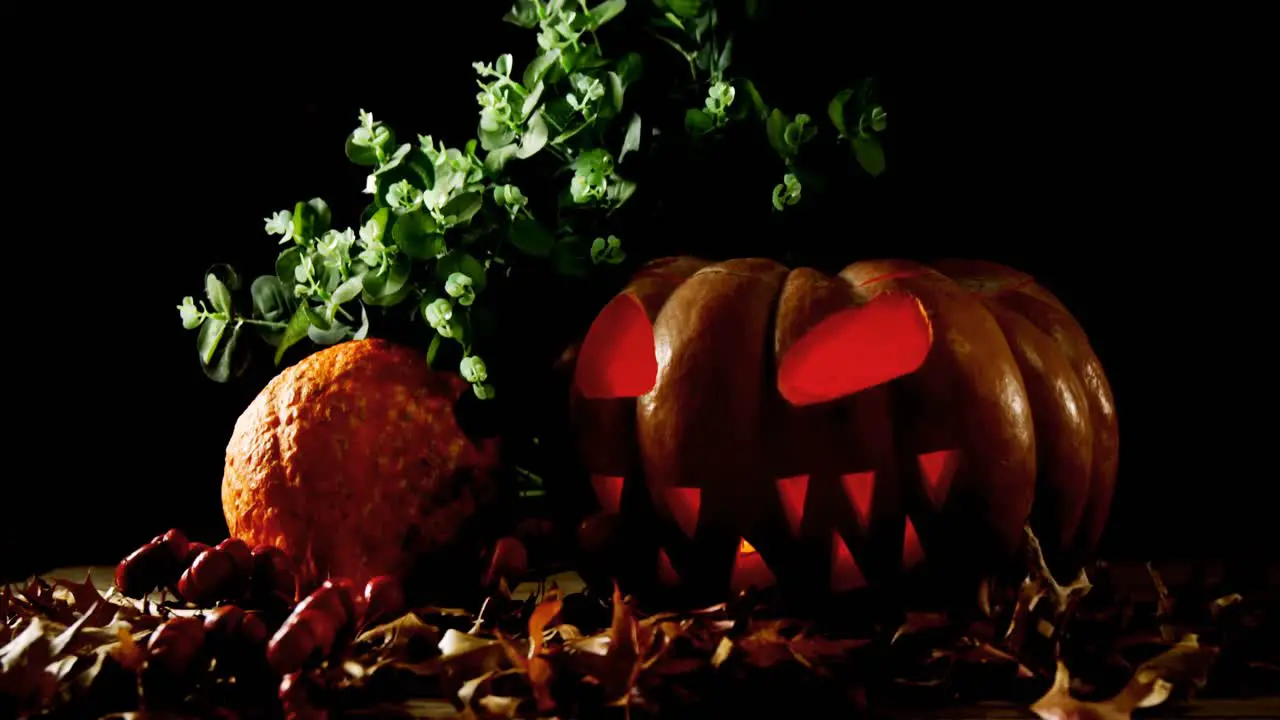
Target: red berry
<point>193,551</point>
<point>298,695</point>
<point>254,629</point>
<point>210,578</point>
<point>348,595</point>
<point>177,543</point>
<point>174,645</point>
<point>272,574</point>
<point>224,621</point>
<point>239,552</point>
<point>383,598</point>
<point>291,646</point>
<point>142,571</point>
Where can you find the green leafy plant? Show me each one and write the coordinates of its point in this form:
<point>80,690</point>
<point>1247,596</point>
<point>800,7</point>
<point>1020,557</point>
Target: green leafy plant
<point>444,223</point>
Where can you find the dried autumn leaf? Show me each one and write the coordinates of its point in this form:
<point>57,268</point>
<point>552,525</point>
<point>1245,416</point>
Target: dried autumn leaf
<point>542,615</point>
<point>23,679</point>
<point>917,623</point>
<point>85,597</point>
<point>405,638</point>
<point>1186,664</point>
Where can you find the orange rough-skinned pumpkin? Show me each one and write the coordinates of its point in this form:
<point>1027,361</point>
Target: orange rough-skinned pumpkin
<point>753,424</point>
<point>351,462</point>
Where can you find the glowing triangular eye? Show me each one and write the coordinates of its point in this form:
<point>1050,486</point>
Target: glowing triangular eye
<point>617,358</point>
<point>860,488</point>
<point>791,493</point>
<point>855,349</point>
<point>685,504</point>
<point>845,573</point>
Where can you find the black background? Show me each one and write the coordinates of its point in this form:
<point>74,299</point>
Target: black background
<point>1105,173</point>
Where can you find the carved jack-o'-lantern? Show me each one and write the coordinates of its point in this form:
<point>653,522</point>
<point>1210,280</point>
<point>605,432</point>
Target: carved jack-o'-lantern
<point>753,424</point>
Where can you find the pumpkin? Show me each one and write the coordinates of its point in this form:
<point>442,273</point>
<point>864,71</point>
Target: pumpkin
<point>352,463</point>
<point>748,424</point>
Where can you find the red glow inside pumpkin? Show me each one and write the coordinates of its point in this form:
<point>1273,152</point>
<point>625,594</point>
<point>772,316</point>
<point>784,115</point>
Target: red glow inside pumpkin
<point>666,571</point>
<point>938,468</point>
<point>608,492</point>
<point>617,358</point>
<point>855,349</point>
<point>859,488</point>
<point>912,550</point>
<point>791,491</point>
<point>845,573</point>
<point>749,569</point>
<point>685,504</point>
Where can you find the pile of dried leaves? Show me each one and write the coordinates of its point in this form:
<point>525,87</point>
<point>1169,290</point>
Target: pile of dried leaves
<point>1080,651</point>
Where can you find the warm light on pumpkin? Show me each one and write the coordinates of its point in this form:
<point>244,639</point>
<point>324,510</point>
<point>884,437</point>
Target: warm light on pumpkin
<point>938,468</point>
<point>845,573</point>
<point>856,349</point>
<point>749,569</point>
<point>858,487</point>
<point>685,504</point>
<point>791,492</point>
<point>912,550</point>
<point>666,571</point>
<point>617,359</point>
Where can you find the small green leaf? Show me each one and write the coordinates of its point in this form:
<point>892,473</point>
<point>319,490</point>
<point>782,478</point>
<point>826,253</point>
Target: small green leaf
<point>293,332</point>
<point>497,158</point>
<point>616,91</point>
<point>416,234</point>
<point>531,238</point>
<point>459,261</point>
<point>380,289</point>
<point>632,139</point>
<point>756,101</point>
<point>218,293</point>
<point>630,67</point>
<point>606,11</point>
<point>231,359</point>
<point>777,128</point>
<point>835,110</point>
<point>879,119</point>
<point>463,207</point>
<point>493,139</point>
<point>208,339</point>
<point>619,192</point>
<point>379,222</point>
<point>347,291</point>
<point>363,331</point>
<point>531,101</point>
<point>726,56</point>
<point>271,298</point>
<point>287,264</point>
<point>539,66</point>
<point>685,8</point>
<point>698,122</point>
<point>443,355</point>
<point>323,215</point>
<point>870,154</point>
<point>535,137</point>
<point>316,318</point>
<point>335,334</point>
<point>523,13</point>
